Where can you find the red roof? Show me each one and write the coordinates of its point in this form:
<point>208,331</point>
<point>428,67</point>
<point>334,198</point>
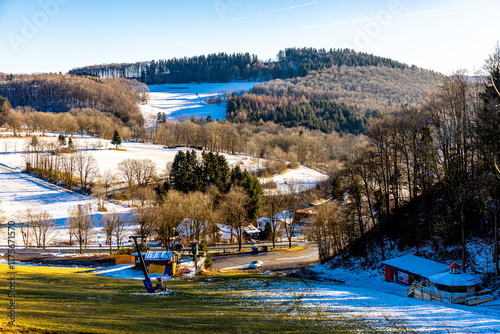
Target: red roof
<point>454,266</point>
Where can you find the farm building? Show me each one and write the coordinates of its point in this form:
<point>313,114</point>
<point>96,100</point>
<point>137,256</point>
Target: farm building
<point>409,268</point>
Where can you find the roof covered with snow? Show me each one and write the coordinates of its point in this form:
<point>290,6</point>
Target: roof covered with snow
<point>417,265</point>
<point>158,256</point>
<point>455,279</point>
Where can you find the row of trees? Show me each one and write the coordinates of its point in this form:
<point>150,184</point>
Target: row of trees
<point>47,160</point>
<point>269,140</point>
<point>76,121</point>
<point>36,226</point>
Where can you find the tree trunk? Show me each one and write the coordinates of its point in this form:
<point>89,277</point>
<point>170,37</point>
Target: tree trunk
<point>495,230</point>
<point>464,252</point>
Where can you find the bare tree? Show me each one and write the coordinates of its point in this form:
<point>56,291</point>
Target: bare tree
<point>80,221</point>
<point>273,204</point>
<point>25,218</point>
<point>122,222</point>
<point>170,215</point>
<point>144,171</point>
<point>291,202</point>
<point>108,224</point>
<point>197,208</point>
<point>234,211</point>
<point>87,170</point>
<point>42,224</point>
<point>126,170</point>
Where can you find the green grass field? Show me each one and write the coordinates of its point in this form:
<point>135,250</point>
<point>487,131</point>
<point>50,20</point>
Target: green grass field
<point>67,300</point>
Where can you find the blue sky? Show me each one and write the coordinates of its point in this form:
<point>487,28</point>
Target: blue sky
<point>57,35</point>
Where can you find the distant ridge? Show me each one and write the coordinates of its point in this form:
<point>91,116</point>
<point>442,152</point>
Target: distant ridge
<point>223,67</point>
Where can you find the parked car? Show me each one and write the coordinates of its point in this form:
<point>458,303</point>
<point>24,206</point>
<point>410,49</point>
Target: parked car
<point>255,264</point>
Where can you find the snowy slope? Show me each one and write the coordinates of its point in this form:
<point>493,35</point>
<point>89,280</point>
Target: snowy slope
<point>177,100</point>
<point>19,191</point>
<point>300,178</point>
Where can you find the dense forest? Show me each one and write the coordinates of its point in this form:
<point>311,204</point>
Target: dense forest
<point>291,111</point>
<point>341,99</point>
<point>368,87</point>
<point>60,93</point>
<point>223,67</point>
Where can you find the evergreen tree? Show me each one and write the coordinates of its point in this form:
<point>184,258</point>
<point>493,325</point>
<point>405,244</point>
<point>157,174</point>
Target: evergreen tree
<point>266,233</point>
<point>253,188</point>
<point>337,187</point>
<point>117,139</point>
<point>186,174</point>
<point>216,171</point>
<point>61,139</point>
<point>204,248</point>
<point>5,109</point>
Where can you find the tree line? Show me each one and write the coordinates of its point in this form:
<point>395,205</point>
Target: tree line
<point>223,67</point>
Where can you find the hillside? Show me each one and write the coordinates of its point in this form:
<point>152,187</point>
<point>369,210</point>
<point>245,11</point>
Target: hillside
<point>223,67</point>
<point>60,93</point>
<point>340,98</point>
<point>367,87</point>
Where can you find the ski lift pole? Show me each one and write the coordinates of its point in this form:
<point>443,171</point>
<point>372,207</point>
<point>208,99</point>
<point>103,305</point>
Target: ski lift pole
<point>147,281</point>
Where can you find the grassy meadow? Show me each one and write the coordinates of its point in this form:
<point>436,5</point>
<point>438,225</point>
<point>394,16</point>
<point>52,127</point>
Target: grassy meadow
<point>70,300</point>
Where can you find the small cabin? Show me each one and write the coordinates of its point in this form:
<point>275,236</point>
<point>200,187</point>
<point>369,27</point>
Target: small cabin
<point>409,268</point>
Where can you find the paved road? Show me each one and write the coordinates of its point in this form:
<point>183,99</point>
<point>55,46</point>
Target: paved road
<point>275,261</point>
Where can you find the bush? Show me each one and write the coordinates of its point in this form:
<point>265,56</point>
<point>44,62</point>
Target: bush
<point>204,248</point>
<point>123,250</point>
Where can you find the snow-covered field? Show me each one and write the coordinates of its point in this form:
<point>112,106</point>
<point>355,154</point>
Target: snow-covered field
<point>299,179</point>
<point>177,100</point>
<point>366,294</point>
<point>108,159</point>
<point>19,191</point>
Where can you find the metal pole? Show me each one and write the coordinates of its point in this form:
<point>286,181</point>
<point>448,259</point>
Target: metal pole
<point>141,259</point>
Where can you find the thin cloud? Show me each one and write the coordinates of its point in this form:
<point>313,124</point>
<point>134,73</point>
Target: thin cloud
<point>368,19</point>
<point>278,10</point>
<point>287,8</point>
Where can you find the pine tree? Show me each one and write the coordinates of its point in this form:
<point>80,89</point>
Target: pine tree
<point>61,139</point>
<point>186,174</point>
<point>5,109</point>
<point>253,188</point>
<point>117,139</point>
<point>264,235</point>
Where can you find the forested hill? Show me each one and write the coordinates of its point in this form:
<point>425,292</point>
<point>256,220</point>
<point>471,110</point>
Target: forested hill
<point>60,93</point>
<point>223,67</point>
<point>339,98</point>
